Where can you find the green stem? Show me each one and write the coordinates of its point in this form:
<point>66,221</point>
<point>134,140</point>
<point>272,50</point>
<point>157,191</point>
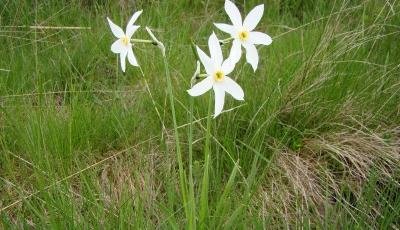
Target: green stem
<point>205,185</point>
<point>192,219</point>
<point>224,41</point>
<point>134,40</point>
<point>164,130</point>
<point>208,134</point>
<point>182,174</point>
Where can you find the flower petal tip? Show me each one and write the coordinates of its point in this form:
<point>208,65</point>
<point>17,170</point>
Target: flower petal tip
<point>254,67</point>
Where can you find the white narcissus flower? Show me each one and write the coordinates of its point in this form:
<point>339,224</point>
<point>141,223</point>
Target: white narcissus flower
<point>217,70</point>
<point>243,34</point>
<point>123,45</point>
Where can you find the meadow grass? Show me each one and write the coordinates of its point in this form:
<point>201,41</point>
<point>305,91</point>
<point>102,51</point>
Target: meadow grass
<point>316,144</point>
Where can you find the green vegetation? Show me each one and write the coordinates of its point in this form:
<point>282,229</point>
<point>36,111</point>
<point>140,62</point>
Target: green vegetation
<point>316,144</point>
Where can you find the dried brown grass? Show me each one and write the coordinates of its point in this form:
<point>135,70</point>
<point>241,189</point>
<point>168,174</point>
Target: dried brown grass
<point>314,176</point>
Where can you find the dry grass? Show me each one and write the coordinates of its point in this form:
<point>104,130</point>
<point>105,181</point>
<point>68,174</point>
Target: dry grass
<point>306,178</point>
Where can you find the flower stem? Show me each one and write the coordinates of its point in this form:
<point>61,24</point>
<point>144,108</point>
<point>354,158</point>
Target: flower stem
<point>191,199</point>
<point>143,41</point>
<point>224,41</point>
<point>205,184</point>
<point>164,130</point>
<point>182,174</point>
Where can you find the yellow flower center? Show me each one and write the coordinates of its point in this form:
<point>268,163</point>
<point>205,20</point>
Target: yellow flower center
<point>243,35</point>
<point>219,75</point>
<point>125,40</point>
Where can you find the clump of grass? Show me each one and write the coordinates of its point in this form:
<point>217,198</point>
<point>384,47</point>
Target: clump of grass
<point>316,145</point>
<point>319,176</point>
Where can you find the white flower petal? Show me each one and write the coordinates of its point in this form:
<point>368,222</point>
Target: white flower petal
<point>226,28</point>
<point>254,17</point>
<point>116,30</point>
<point>215,50</point>
<point>206,61</point>
<point>123,59</point>
<point>233,88</point>
<point>251,55</point>
<point>234,14</point>
<point>130,30</point>
<point>228,66</point>
<point>117,47</point>
<point>258,38</point>
<point>201,87</point>
<point>133,19</point>
<point>219,100</point>
<point>236,51</point>
<point>132,58</point>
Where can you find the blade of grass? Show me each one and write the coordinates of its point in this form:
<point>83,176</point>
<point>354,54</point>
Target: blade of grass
<point>223,200</point>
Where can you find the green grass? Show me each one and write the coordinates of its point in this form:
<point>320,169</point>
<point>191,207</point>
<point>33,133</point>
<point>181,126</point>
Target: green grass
<point>316,144</point>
